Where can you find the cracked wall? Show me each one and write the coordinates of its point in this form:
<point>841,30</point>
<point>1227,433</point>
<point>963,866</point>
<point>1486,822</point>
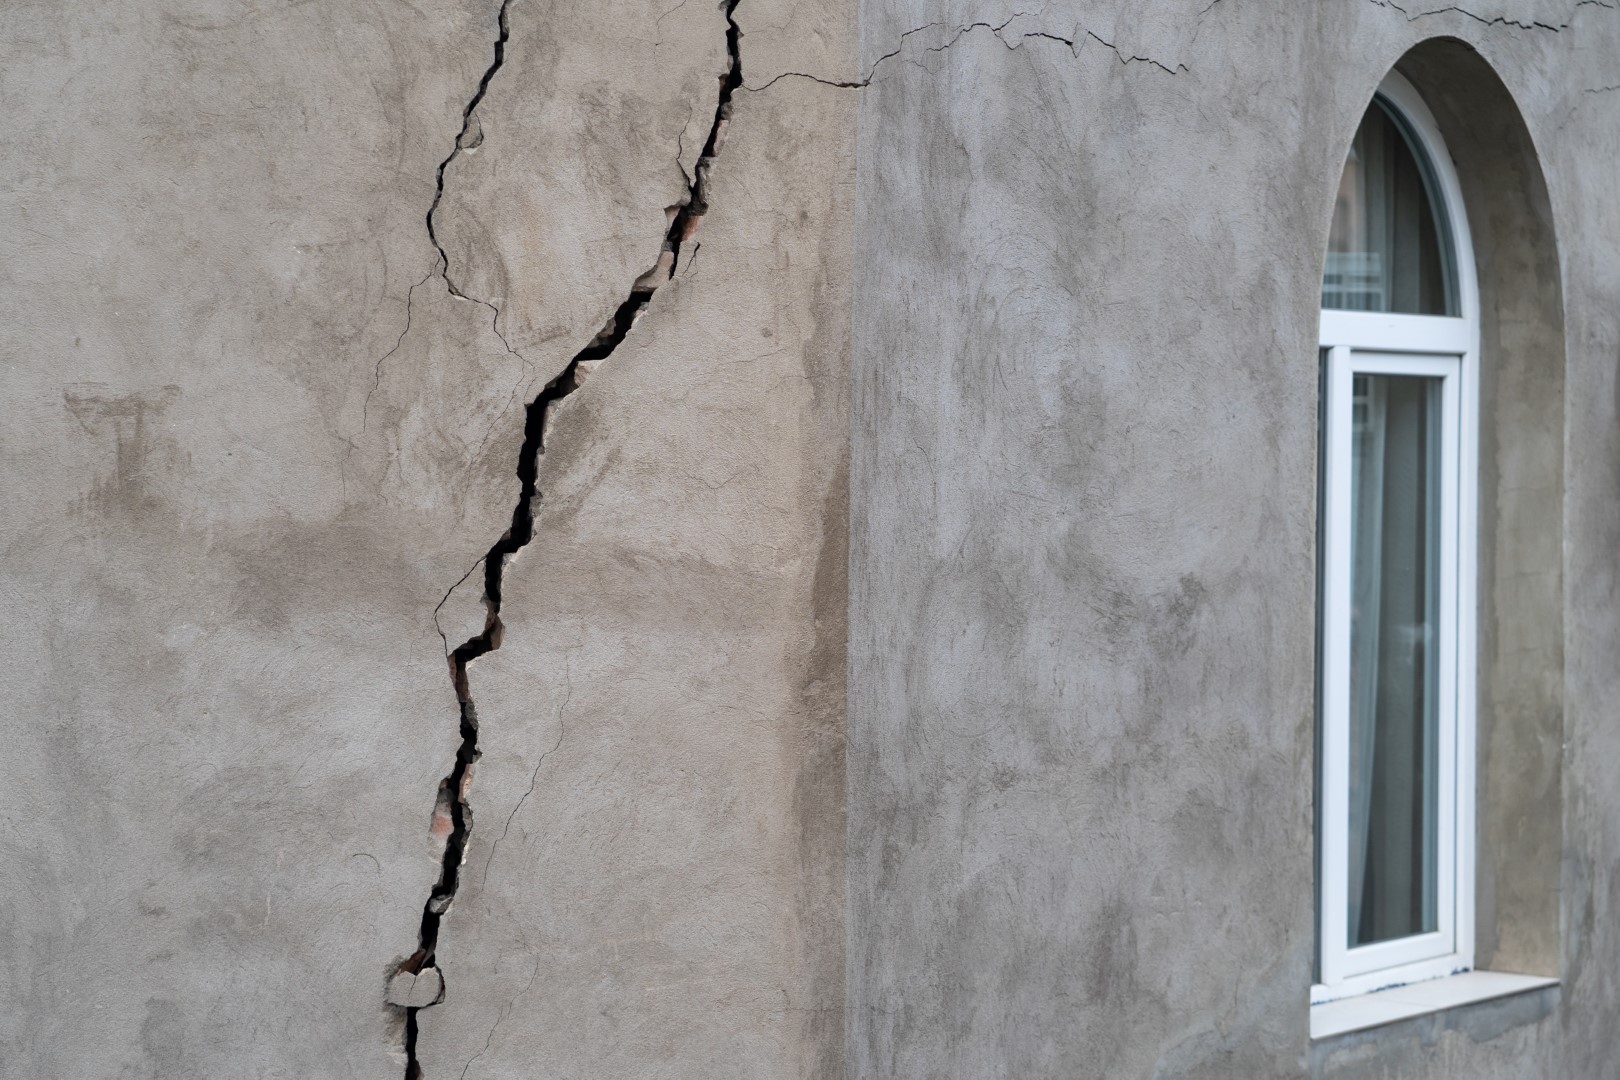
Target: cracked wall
<point>223,675</point>
<point>659,800</point>
<point>302,292</point>
<point>293,280</point>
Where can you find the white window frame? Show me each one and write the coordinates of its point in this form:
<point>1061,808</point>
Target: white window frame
<point>1444,347</point>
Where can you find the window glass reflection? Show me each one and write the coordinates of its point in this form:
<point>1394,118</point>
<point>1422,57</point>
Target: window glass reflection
<point>1384,250</point>
<point>1394,585</point>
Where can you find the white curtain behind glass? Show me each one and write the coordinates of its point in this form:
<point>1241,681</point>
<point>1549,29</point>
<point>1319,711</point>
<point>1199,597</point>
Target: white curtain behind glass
<point>1394,596</point>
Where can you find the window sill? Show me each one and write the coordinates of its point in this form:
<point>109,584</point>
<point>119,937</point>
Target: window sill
<point>1417,999</point>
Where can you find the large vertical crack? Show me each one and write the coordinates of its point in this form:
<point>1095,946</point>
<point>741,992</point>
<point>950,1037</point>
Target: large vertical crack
<point>452,807</point>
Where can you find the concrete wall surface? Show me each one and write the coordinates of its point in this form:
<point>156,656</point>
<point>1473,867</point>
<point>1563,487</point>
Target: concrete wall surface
<point>1089,245</point>
<point>286,278</point>
<point>739,539</point>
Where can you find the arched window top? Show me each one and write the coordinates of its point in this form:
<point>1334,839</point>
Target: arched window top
<point>1391,247</point>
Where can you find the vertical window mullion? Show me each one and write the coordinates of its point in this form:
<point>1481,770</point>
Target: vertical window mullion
<point>1450,517</point>
<point>1334,869</point>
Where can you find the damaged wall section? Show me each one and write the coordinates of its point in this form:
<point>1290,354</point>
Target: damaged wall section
<point>419,982</point>
<point>723,403</point>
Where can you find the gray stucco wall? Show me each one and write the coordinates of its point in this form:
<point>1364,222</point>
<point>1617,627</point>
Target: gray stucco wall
<point>261,428</point>
<point>225,699</point>
<point>973,435</point>
<point>1089,241</point>
<point>655,881</point>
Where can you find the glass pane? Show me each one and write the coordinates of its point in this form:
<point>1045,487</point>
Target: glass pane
<point>1394,631</point>
<point>1387,249</point>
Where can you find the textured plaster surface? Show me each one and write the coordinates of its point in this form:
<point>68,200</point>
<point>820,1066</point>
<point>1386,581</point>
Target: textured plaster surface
<point>225,698</point>
<point>263,426</point>
<point>654,881</point>
<point>1521,511</point>
<point>259,425</point>
<point>1082,569</point>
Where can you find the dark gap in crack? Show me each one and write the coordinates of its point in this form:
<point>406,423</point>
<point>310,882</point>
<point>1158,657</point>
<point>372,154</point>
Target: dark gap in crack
<point>683,223</point>
<point>413,1069</point>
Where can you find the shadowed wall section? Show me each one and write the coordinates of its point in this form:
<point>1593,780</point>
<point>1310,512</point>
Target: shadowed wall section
<point>1521,515</point>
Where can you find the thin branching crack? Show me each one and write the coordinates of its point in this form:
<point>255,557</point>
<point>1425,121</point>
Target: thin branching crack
<point>684,219</point>
<point>445,599</point>
<point>1078,41</point>
<point>1496,20</point>
<point>534,778</point>
<point>500,1019</point>
<point>1075,43</point>
<point>376,380</point>
<point>503,34</point>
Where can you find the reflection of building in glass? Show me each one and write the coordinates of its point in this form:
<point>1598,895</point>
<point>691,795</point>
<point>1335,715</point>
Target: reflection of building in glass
<point>1384,251</point>
<point>1353,280</point>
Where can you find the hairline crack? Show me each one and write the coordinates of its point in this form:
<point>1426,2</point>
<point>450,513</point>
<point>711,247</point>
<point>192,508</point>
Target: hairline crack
<point>1081,36</point>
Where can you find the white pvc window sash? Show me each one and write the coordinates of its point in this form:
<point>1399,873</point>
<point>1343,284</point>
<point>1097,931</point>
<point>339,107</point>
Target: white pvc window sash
<point>1345,969</point>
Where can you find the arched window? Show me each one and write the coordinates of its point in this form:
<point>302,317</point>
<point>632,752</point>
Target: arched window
<point>1399,350</point>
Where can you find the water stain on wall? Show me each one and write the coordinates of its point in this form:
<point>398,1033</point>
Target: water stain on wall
<point>142,449</point>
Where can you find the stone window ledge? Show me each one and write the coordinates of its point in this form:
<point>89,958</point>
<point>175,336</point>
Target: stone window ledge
<point>1417,999</point>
